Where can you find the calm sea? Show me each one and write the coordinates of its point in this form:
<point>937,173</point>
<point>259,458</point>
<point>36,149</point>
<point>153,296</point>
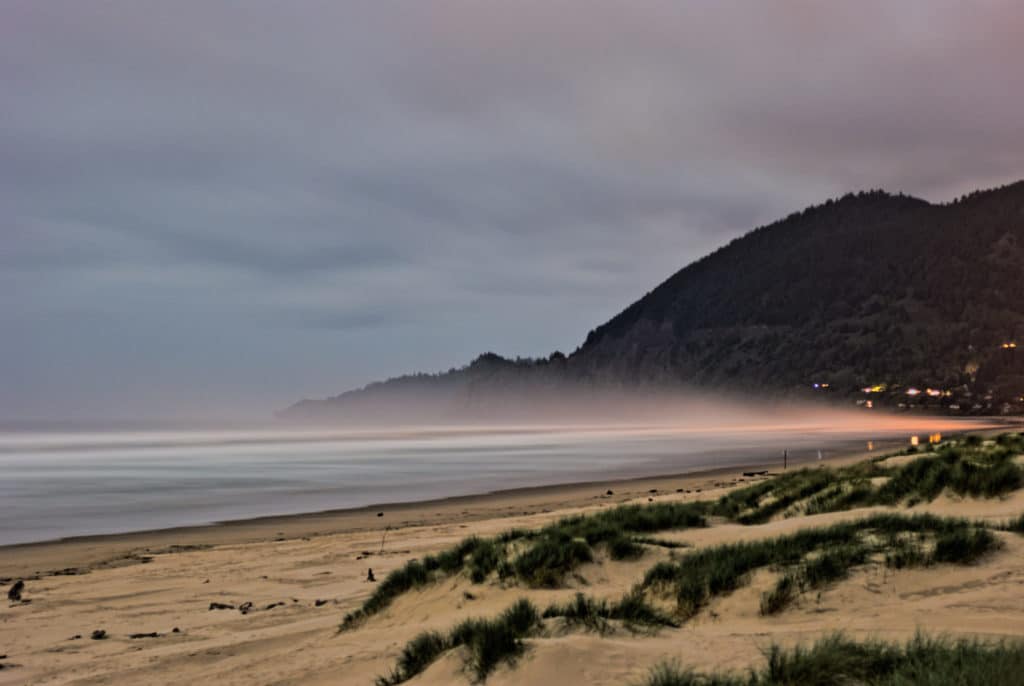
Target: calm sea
<point>56,484</point>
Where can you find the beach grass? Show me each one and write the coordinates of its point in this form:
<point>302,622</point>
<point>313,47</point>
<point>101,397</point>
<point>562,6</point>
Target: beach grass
<point>545,557</point>
<point>812,558</point>
<point>836,659</point>
<point>632,610</point>
<point>487,643</point>
<point>970,467</point>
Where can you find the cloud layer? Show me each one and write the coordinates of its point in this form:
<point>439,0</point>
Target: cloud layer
<point>211,208</point>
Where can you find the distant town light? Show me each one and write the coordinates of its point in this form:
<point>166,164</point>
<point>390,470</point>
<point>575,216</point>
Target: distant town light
<point>877,388</point>
<point>869,404</point>
<point>933,392</point>
<point>913,391</point>
<point>1009,345</point>
<point>915,440</point>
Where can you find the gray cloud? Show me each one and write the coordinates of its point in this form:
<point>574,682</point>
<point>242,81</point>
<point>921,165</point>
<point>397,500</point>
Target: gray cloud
<point>224,205</point>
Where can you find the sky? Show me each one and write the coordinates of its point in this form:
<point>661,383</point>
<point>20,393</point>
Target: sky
<point>213,208</point>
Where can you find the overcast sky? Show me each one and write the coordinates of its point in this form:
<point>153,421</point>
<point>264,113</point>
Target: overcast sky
<point>215,207</point>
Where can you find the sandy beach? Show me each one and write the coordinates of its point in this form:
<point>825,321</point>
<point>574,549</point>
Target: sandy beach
<point>303,573</point>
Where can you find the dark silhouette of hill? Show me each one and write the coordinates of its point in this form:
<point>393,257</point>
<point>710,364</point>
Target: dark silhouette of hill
<point>870,289</point>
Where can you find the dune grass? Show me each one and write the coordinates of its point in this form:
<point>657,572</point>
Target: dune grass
<point>836,659</point>
<point>811,558</point>
<point>969,467</point>
<point>1016,525</point>
<point>660,542</point>
<point>561,547</point>
<point>487,643</point>
<point>624,548</point>
<point>482,556</point>
<point>544,558</point>
<point>979,471</point>
<point>632,610</point>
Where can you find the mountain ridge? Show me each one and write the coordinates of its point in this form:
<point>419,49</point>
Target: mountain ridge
<point>870,289</point>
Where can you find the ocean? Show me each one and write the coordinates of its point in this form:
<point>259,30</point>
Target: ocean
<point>57,484</point>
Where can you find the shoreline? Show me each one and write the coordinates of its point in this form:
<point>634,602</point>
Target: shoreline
<point>260,601</point>
<point>82,554</point>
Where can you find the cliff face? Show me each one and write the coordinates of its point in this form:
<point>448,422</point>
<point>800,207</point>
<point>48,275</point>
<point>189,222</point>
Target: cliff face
<point>869,289</point>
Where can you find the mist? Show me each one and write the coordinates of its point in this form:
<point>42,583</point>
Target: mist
<point>511,406</point>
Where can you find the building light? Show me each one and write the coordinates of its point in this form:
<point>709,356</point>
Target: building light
<point>933,392</point>
<point>1010,345</point>
<point>915,440</point>
<point>869,404</point>
<point>913,391</point>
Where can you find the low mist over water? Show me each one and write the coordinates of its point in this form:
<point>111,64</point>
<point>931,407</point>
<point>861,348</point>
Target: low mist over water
<point>59,484</point>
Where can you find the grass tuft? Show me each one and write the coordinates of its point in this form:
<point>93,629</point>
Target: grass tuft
<point>632,610</point>
<point>488,642</point>
<point>836,659</point>
<point>624,548</point>
<point>543,558</point>
<point>813,558</point>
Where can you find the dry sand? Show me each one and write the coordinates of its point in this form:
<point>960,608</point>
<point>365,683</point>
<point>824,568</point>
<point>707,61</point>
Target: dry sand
<point>141,583</point>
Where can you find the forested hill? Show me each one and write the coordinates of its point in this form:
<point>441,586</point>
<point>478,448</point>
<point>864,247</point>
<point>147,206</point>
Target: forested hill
<point>871,289</point>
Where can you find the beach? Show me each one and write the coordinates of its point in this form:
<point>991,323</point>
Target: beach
<point>302,574</point>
